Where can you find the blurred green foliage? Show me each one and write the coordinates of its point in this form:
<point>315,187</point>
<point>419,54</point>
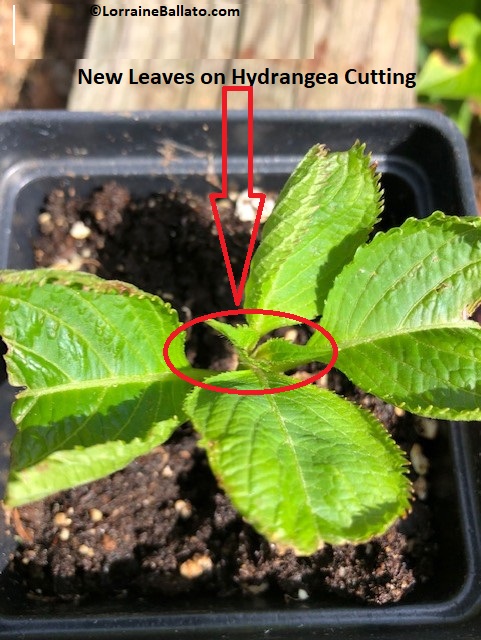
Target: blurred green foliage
<point>450,58</point>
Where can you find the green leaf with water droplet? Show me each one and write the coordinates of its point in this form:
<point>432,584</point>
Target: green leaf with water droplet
<point>96,390</point>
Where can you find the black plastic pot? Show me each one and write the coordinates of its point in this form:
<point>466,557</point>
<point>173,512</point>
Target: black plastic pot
<point>425,167</point>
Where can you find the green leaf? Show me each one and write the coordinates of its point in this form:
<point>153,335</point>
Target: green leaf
<point>241,335</point>
<point>436,17</point>
<point>441,78</point>
<point>97,392</point>
<point>304,467</point>
<point>465,33</point>
<point>399,314</point>
<point>280,355</point>
<point>325,211</point>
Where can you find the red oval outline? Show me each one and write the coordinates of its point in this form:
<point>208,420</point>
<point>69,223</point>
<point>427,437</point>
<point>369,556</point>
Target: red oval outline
<point>249,392</point>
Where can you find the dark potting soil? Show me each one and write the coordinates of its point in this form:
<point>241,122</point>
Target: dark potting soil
<point>162,525</point>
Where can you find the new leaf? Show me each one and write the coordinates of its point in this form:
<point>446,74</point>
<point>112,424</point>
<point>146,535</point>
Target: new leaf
<point>324,212</point>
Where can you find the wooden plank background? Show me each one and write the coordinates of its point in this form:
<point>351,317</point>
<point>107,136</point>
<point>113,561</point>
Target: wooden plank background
<point>14,63</point>
<point>286,35</point>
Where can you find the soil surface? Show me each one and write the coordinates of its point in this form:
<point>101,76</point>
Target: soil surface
<point>162,525</point>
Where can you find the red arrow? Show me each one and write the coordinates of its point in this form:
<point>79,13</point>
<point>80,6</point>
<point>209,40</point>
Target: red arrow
<point>238,291</point>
